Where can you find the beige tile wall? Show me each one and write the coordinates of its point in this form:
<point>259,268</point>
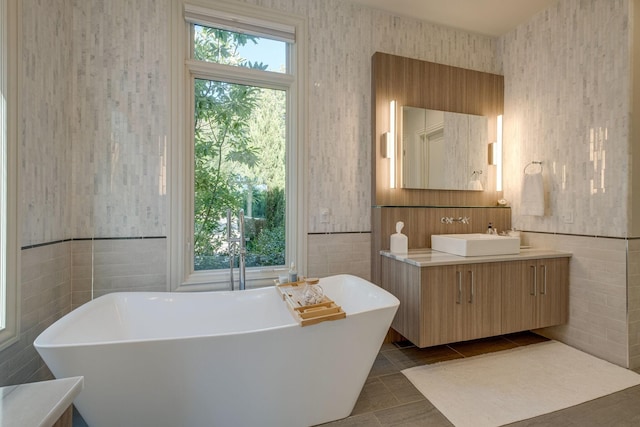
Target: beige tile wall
<point>59,277</point>
<point>567,80</point>
<point>633,301</point>
<point>45,297</point>
<point>339,253</point>
<point>118,265</point>
<point>567,83</point>
<point>120,92</point>
<point>45,127</point>
<point>597,294</point>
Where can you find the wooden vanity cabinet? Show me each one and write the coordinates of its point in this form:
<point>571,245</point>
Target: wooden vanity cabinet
<point>460,303</point>
<point>535,294</point>
<point>451,303</point>
<point>444,304</point>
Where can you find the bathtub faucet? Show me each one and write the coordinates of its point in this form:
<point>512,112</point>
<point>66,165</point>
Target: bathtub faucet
<point>239,245</point>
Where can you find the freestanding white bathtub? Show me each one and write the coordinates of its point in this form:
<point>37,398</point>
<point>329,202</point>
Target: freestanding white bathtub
<point>218,358</point>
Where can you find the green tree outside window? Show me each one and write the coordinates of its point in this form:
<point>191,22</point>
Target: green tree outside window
<point>240,149</point>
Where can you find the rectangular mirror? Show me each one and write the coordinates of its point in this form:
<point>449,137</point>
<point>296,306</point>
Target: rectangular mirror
<point>440,150</point>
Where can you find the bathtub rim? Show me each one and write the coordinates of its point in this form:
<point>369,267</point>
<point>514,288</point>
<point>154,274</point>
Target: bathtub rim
<point>69,317</point>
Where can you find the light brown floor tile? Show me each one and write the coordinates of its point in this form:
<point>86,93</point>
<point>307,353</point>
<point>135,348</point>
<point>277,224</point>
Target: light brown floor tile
<point>374,396</point>
<point>525,338</point>
<point>402,388</point>
<point>483,346</point>
<point>413,414</point>
<point>382,366</point>
<point>364,420</point>
<point>389,399</point>
<point>413,356</point>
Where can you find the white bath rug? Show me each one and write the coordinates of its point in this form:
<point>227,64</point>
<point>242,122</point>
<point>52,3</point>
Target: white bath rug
<point>507,386</point>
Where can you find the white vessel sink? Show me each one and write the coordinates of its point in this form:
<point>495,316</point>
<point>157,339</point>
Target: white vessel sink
<point>475,244</point>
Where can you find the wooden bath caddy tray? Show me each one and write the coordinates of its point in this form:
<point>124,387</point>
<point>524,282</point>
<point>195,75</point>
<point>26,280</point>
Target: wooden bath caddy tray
<point>307,315</point>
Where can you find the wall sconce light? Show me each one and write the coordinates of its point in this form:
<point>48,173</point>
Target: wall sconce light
<point>490,152</point>
<point>386,141</point>
<point>497,154</point>
<point>391,144</point>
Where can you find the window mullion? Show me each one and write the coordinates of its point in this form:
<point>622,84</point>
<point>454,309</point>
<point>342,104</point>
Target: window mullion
<point>239,75</point>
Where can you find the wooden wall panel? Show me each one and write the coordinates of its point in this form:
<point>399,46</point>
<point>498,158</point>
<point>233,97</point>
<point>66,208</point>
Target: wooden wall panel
<point>427,85</point>
<point>440,87</point>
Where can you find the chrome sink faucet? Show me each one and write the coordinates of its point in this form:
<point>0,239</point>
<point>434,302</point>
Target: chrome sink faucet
<point>451,220</point>
<point>239,245</point>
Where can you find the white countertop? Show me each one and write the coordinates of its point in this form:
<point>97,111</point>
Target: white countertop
<point>37,404</point>
<point>431,258</point>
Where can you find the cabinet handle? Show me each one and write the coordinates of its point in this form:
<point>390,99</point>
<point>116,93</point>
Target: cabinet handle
<point>471,287</point>
<point>459,299</point>
<point>534,291</point>
<point>544,280</point>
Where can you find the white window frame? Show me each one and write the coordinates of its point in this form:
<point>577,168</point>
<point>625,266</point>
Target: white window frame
<point>9,225</point>
<point>184,71</point>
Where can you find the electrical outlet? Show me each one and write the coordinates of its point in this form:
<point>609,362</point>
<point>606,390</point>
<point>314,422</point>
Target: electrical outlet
<point>325,213</point>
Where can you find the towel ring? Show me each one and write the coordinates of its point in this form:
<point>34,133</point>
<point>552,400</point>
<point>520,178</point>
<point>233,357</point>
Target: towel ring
<point>533,163</point>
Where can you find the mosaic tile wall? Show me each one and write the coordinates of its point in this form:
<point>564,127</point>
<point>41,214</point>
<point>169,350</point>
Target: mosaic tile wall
<point>567,105</point>
<point>45,134</point>
<point>120,77</point>
<point>94,119</point>
<point>117,75</point>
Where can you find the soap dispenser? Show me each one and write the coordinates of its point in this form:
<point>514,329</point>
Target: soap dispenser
<point>491,230</point>
<point>399,242</point>
<point>293,274</point>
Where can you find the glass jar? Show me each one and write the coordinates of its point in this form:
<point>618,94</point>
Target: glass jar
<point>312,293</point>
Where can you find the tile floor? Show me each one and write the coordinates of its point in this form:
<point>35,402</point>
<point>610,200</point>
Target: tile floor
<point>389,399</point>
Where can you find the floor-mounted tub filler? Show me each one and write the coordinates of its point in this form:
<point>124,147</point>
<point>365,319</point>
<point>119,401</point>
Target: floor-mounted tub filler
<point>218,358</point>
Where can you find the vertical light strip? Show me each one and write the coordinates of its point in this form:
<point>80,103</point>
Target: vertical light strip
<point>391,144</point>
<point>498,155</point>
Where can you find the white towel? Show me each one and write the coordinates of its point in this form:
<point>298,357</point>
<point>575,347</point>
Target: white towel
<point>532,196</point>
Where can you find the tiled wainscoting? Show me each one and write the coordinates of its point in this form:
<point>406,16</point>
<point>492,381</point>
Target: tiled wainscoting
<point>633,302</point>
<point>339,253</point>
<point>45,296</point>
<point>602,320</point>
<point>60,276</point>
<point>115,265</point>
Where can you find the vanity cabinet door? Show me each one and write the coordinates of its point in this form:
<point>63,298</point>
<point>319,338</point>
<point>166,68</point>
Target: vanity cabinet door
<point>442,308</point>
<point>518,296</point>
<point>460,303</point>
<point>535,294</point>
<point>482,299</point>
<point>552,292</point>
<point>403,281</point>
